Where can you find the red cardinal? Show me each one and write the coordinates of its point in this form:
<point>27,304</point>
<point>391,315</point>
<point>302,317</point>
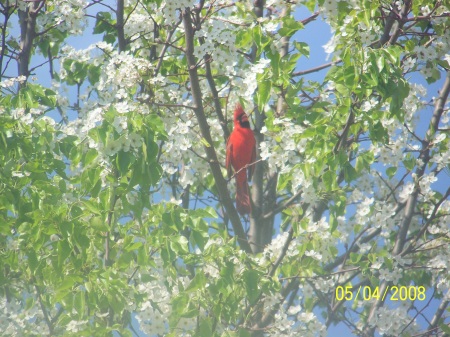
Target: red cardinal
<point>241,151</point>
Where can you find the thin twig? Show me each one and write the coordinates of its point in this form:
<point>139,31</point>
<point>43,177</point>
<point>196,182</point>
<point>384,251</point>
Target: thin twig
<point>315,69</point>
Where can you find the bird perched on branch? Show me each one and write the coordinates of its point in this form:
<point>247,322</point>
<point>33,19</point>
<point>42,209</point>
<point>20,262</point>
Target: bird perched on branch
<point>241,155</point>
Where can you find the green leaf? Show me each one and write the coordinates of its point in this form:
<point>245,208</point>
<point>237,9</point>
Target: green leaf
<point>409,161</point>
<point>350,173</point>
<point>378,133</point>
<point>96,188</point>
<point>377,60</point>
<point>274,58</point>
<point>103,23</point>
<point>283,181</point>
<point>32,260</point>
<point>197,283</point>
<point>142,256</point>
<point>205,328</point>
<point>93,74</point>
<point>257,36</point>
<point>355,258</point>
<point>264,88</point>
<point>65,287</point>
<point>391,171</point>
<point>251,279</point>
<point>64,251</point>
<point>179,245</point>
<point>342,89</point>
<point>82,240</point>
<point>29,97</point>
<point>152,150</point>
<point>399,90</point>
<point>133,246</point>
<point>42,95</point>
<point>302,47</point>
<point>75,155</point>
<point>290,26</point>
<point>445,328</point>
<point>79,303</point>
<point>200,238</point>
<point>329,179</point>
<point>92,206</point>
<point>207,212</point>
<point>154,174</point>
<point>123,161</point>
<point>167,254</point>
<point>350,77</point>
<point>90,155</point>
<point>180,304</point>
<point>62,186</point>
<point>333,223</point>
<point>98,224</point>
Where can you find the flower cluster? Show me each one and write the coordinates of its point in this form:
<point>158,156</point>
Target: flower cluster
<point>15,320</point>
<point>121,71</point>
<point>154,312</point>
<point>170,8</point>
<point>68,15</point>
<point>393,321</point>
<point>296,322</point>
<point>250,82</point>
<point>177,156</point>
<point>274,249</point>
<point>10,82</point>
<point>138,24</point>
<point>219,42</point>
<point>281,150</point>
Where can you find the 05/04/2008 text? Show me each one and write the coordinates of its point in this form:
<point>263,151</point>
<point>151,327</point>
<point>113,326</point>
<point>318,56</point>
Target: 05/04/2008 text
<point>394,293</point>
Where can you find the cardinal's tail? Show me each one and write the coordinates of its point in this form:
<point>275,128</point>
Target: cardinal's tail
<point>243,205</point>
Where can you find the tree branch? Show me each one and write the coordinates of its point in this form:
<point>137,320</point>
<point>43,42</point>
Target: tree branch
<point>437,316</point>
<point>121,25</point>
<point>27,20</point>
<point>315,69</point>
<point>205,130</point>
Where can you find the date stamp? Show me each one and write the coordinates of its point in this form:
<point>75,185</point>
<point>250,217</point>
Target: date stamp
<point>393,293</point>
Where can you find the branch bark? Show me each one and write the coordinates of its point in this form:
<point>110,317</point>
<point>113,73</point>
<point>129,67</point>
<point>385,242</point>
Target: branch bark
<point>27,20</point>
<point>206,134</point>
<point>120,25</point>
